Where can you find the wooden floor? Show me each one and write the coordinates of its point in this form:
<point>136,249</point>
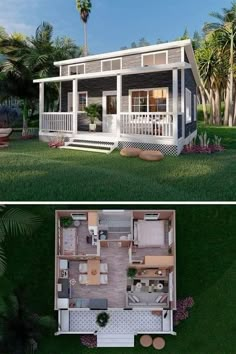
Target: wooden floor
<point>83,246</point>
<point>149,251</point>
<point>115,290</point>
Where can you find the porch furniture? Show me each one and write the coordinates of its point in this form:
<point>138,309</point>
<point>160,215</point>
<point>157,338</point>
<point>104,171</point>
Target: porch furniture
<point>130,152</point>
<point>103,268</point>
<point>146,341</point>
<point>83,279</point>
<point>161,261</point>
<point>151,155</point>
<point>83,267</point>
<point>93,272</point>
<point>5,134</point>
<point>103,279</point>
<point>158,343</point>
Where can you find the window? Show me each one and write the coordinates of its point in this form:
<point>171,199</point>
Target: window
<point>195,108</point>
<point>76,69</point>
<point>154,59</point>
<point>113,64</point>
<point>188,106</point>
<point>150,100</point>
<point>82,101</point>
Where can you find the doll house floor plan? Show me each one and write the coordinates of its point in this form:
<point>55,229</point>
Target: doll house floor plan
<point>122,262</point>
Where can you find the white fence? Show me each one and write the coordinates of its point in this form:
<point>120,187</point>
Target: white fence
<point>57,121</point>
<point>155,124</point>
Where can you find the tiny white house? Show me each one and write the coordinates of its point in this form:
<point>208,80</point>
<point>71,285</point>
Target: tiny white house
<point>148,97</point>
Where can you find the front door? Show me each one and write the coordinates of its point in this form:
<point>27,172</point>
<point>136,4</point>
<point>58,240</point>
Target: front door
<point>109,111</point>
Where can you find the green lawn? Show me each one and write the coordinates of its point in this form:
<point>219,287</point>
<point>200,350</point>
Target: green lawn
<point>206,270</point>
<point>30,171</point>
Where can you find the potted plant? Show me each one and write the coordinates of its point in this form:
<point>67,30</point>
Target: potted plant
<point>102,319</point>
<point>66,221</point>
<point>131,272</point>
<point>94,112</point>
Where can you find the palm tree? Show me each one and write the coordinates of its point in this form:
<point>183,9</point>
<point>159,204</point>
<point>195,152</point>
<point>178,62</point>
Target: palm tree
<point>15,222</point>
<point>84,7</point>
<point>226,31</point>
<point>20,328</point>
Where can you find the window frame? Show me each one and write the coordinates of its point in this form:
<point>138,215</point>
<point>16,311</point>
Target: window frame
<point>188,117</point>
<point>111,60</point>
<point>148,90</point>
<point>79,93</point>
<point>195,107</point>
<point>154,53</point>
<point>76,65</point>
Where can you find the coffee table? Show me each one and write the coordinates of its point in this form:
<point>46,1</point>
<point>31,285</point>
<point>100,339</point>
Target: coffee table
<point>159,343</point>
<point>146,341</point>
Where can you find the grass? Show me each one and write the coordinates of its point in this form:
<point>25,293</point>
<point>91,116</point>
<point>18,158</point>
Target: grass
<point>206,270</point>
<point>31,171</point>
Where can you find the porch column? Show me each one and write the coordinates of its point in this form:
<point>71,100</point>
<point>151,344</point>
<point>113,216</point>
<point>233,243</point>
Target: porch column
<point>119,103</point>
<point>75,106</point>
<point>41,105</point>
<point>183,101</point>
<point>175,105</point>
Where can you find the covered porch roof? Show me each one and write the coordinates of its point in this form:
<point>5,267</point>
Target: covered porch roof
<point>133,71</point>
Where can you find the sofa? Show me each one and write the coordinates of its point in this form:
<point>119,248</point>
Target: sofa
<point>144,299</point>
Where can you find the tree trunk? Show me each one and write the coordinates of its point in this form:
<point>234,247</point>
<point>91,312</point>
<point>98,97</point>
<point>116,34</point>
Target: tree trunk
<point>25,118</point>
<point>226,113</point>
<point>234,122</point>
<point>231,82</point>
<point>85,40</point>
<point>217,106</point>
<point>204,107</point>
<point>212,107</point>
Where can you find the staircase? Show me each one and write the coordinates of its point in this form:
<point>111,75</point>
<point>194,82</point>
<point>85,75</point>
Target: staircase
<point>115,340</point>
<point>86,144</point>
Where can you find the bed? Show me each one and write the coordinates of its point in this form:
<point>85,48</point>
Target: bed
<point>150,233</point>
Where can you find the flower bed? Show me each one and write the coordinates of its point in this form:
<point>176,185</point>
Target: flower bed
<point>182,310</point>
<point>88,340</point>
<point>198,149</point>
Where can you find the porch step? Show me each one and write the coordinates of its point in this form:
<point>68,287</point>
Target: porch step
<point>105,147</point>
<point>115,340</point>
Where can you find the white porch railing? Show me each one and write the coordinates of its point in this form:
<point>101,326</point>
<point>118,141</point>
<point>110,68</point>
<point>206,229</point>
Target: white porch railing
<point>57,121</point>
<point>155,124</point>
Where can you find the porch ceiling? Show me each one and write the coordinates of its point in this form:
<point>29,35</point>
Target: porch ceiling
<point>142,70</point>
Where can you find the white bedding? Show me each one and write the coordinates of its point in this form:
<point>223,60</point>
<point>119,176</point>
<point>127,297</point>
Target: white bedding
<point>150,233</point>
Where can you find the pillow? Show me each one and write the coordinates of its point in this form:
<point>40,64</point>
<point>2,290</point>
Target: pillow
<point>131,298</point>
<point>136,298</point>
<point>158,298</point>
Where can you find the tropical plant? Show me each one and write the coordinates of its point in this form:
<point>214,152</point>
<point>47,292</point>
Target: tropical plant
<point>66,221</point>
<point>27,58</point>
<point>225,31</point>
<point>102,319</point>
<point>131,272</point>
<point>181,312</point>
<point>94,111</point>
<point>15,222</point>
<point>20,328</point>
<point>204,140</point>
<point>84,7</point>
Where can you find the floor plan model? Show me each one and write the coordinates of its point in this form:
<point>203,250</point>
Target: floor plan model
<point>121,262</point>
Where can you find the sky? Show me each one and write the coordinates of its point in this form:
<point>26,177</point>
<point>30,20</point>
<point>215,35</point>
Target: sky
<point>112,23</point>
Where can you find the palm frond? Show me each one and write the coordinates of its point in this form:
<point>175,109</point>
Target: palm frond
<point>3,306</point>
<point>17,221</point>
<point>2,261</point>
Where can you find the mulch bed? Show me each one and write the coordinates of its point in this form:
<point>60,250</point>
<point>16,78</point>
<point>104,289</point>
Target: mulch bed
<point>197,149</point>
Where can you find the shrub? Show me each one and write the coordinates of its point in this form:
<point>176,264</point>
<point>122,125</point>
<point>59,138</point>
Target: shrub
<point>102,319</point>
<point>205,145</point>
<point>131,272</point>
<point>182,310</point>
<point>66,221</point>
